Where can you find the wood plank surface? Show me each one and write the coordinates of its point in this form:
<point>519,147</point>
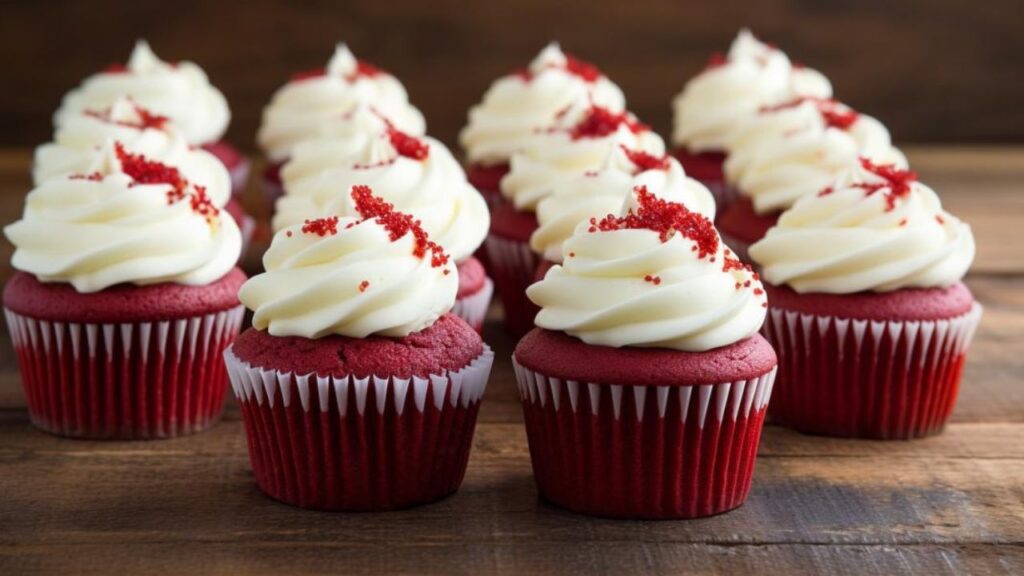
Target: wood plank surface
<point>951,504</point>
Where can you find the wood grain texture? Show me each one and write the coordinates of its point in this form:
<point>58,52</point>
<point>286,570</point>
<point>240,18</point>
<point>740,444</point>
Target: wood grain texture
<point>933,70</point>
<point>952,504</point>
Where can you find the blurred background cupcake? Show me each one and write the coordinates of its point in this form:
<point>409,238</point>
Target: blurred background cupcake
<point>868,312</point>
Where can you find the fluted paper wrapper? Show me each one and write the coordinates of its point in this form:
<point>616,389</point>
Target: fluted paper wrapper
<point>473,308</point>
<point>643,451</point>
<point>347,443</point>
<point>513,265</point>
<point>867,379</point>
<point>124,381</point>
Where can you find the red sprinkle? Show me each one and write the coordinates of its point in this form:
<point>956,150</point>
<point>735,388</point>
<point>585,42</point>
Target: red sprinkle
<point>758,291</point>
<point>733,263</point>
<point>903,222</point>
<point>398,224</point>
<point>288,233</point>
<point>363,70</point>
<point>940,219</point>
<point>666,218</point>
<point>143,171</point>
<point>364,285</point>
<point>572,254</point>
<point>645,161</point>
<point>831,111</point>
<point>321,226</point>
<point>94,177</point>
<point>599,122</point>
<point>202,205</point>
<point>826,191</point>
<point>897,182</point>
<point>652,279</point>
<point>580,68</point>
<point>407,145</point>
<point>146,120</point>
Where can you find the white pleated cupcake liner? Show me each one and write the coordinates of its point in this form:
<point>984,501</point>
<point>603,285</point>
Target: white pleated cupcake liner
<point>124,380</point>
<point>473,308</point>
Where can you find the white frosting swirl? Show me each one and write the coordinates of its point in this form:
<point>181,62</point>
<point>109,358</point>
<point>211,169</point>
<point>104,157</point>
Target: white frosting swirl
<point>627,287</point>
<point>786,152</point>
<point>853,239</point>
<point>105,229</point>
<point>555,156</point>
<point>718,101</point>
<point>601,192</point>
<point>434,189</point>
<point>516,105</point>
<point>314,285</point>
<point>340,141</point>
<point>301,109</point>
<point>180,91</point>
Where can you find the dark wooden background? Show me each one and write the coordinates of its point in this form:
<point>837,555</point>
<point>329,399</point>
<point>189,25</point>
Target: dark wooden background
<point>933,70</point>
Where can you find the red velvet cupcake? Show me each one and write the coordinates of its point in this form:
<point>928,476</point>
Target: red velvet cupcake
<point>178,91</point>
<point>320,102</point>
<point>359,390</point>
<point>717,103</point>
<point>126,298</point>
<point>645,386</point>
<point>868,314</point>
<point>581,141</point>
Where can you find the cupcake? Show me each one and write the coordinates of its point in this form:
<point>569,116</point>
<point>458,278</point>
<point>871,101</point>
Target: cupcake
<point>602,192</point>
<point>517,105</point>
<point>791,150</point>
<point>714,105</point>
<point>359,389</point>
<point>418,176</point>
<point>644,386</point>
<point>579,141</point>
<point>867,309</point>
<point>179,91</point>
<point>80,135</point>
<point>313,104</point>
<point>125,296</point>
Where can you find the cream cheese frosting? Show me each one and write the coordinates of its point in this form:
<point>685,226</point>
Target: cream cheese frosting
<point>656,277</point>
<point>579,142</point>
<point>877,229</point>
<point>129,219</point>
<point>418,175</point>
<point>716,103</point>
<point>517,105</point>
<point>799,147</point>
<point>302,108</point>
<point>179,91</point>
<point>374,274</point>
<point>602,191</point>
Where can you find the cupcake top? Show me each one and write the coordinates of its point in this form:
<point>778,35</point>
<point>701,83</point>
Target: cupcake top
<point>518,104</point>
<point>603,191</point>
<point>375,274</point>
<point>76,142</point>
<point>579,141</point>
<point>129,219</point>
<point>301,109</point>
<point>179,91</point>
<point>799,147</point>
<point>718,101</point>
<point>656,277</point>
<point>876,229</point>
<point>417,175</point>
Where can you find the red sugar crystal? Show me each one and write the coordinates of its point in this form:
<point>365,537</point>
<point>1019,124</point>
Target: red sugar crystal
<point>826,191</point>
<point>599,122</point>
<point>364,285</point>
<point>146,119</point>
<point>94,177</point>
<point>652,279</point>
<point>143,171</point>
<point>580,68</point>
<point>407,145</point>
<point>321,226</point>
<point>645,161</point>
<point>201,203</point>
<point>398,224</point>
<point>940,219</point>
<point>897,182</point>
<point>834,115</point>
<point>665,218</point>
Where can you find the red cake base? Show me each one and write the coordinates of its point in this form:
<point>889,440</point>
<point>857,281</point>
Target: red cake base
<point>125,363</point>
<point>643,433</point>
<point>869,365</point>
<point>236,163</point>
<point>475,291</point>
<point>707,168</point>
<point>740,226</point>
<point>513,265</point>
<point>360,424</point>
<point>487,179</point>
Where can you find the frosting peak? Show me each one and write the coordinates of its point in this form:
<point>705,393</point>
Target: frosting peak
<point>656,276</point>
<point>342,63</point>
<point>875,229</point>
<point>375,274</point>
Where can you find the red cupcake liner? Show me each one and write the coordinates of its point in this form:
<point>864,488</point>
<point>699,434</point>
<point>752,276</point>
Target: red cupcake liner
<point>473,308</point>
<point>740,248</point>
<point>867,379</point>
<point>643,451</point>
<point>128,381</point>
<point>347,443</point>
<point>513,265</point>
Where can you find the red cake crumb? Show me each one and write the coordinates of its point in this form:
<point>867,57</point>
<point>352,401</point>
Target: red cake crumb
<point>666,218</point>
<point>656,280</point>
<point>321,226</point>
<point>146,119</point>
<point>897,182</point>
<point>834,115</point>
<point>406,145</point>
<point>645,161</point>
<point>143,171</point>
<point>397,224</point>
<point>364,285</point>
<point>202,205</point>
<point>580,68</point>
<point>599,122</point>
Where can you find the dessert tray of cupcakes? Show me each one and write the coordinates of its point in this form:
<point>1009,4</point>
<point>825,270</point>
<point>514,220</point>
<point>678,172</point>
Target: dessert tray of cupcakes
<point>779,259</point>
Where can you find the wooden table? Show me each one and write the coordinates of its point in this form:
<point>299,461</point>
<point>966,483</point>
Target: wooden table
<point>949,504</point>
